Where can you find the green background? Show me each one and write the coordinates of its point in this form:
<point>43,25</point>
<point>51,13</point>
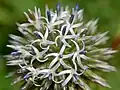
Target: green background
<point>108,12</point>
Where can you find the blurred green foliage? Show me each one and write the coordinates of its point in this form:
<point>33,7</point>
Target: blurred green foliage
<point>108,12</point>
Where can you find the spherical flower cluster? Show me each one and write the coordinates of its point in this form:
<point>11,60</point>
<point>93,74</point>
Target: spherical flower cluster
<point>59,51</point>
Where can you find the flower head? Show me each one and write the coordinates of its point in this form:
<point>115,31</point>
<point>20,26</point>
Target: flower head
<point>59,51</point>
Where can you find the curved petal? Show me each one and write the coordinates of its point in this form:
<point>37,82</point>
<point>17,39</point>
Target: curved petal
<point>73,60</point>
<point>44,51</point>
<point>44,60</point>
<point>51,54</point>
<point>77,46</point>
<point>50,42</point>
<point>32,60</point>
<point>63,72</point>
<point>35,41</point>
<point>83,48</point>
<point>55,80</point>
<point>79,62</point>
<point>56,40</point>
<point>35,50</point>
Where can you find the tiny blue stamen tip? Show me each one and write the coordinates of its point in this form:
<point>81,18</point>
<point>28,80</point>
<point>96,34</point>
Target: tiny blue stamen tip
<point>60,56</point>
<point>27,76</point>
<point>77,7</point>
<point>58,6</point>
<point>82,52</point>
<point>15,53</point>
<point>36,34</point>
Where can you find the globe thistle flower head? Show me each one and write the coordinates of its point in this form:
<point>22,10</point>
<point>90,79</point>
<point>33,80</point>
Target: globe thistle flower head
<point>59,51</point>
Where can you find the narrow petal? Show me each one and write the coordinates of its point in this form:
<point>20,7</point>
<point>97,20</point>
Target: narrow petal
<point>18,79</point>
<point>28,17</point>
<point>39,13</point>
<point>58,22</point>
<point>97,79</point>
<point>46,33</point>
<point>49,42</point>
<point>83,85</point>
<point>84,57</point>
<point>35,50</point>
<point>72,31</point>
<point>67,80</point>
<point>53,62</point>
<point>64,64</point>
<point>56,66</point>
<point>36,13</point>
<point>68,55</point>
<point>77,25</point>
<point>104,67</point>
<point>54,18</point>
<point>79,62</point>
<point>65,43</point>
<point>70,36</point>
<point>73,60</point>
<point>62,50</point>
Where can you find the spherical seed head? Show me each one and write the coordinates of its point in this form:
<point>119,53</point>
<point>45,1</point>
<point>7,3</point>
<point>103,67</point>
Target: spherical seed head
<point>56,51</point>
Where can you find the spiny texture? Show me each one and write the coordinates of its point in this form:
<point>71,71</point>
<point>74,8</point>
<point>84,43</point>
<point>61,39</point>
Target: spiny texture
<point>59,51</point>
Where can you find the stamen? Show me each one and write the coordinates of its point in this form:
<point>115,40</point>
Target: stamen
<point>49,16</point>
<point>71,18</point>
<point>36,34</point>
<point>58,8</point>
<point>77,7</point>
<point>27,76</point>
<point>32,51</point>
<point>15,53</point>
<point>64,30</point>
<point>83,52</point>
<point>60,56</point>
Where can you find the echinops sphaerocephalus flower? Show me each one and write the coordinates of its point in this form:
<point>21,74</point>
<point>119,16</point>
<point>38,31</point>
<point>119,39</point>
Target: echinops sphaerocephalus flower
<point>59,51</point>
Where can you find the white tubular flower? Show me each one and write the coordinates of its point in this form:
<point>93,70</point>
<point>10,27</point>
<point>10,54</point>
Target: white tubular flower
<point>59,51</point>
<point>37,18</point>
<point>63,36</point>
<point>43,41</point>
